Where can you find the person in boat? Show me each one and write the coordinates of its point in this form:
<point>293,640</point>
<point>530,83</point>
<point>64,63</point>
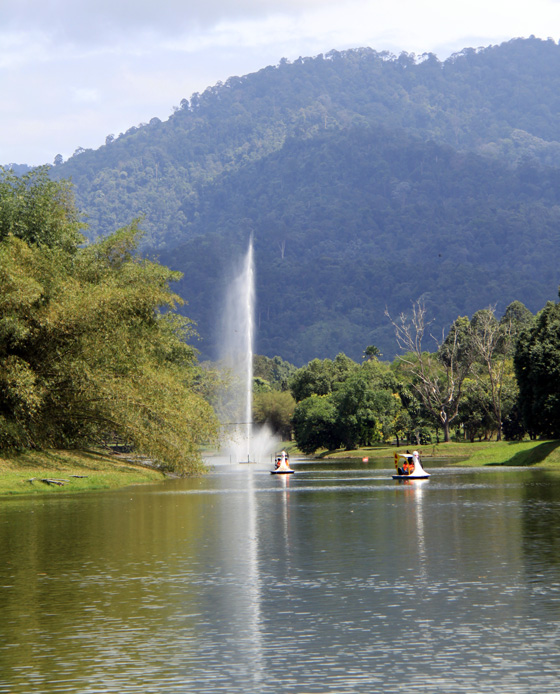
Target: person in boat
<point>403,470</point>
<point>282,462</point>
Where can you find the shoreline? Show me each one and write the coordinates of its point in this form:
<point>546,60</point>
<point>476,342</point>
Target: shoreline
<point>542,454</point>
<point>59,471</point>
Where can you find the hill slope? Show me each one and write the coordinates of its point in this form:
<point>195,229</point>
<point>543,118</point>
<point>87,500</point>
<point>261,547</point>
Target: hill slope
<point>368,221</point>
<point>368,180</point>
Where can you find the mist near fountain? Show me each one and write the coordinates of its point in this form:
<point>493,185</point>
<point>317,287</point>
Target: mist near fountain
<point>243,440</point>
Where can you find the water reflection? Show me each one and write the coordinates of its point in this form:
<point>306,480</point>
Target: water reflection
<point>335,579</point>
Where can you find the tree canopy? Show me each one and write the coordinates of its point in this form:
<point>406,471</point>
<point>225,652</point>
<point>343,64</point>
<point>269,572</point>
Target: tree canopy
<point>91,348</point>
<point>537,367</point>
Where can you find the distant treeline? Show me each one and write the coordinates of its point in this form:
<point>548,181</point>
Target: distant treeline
<point>488,378</point>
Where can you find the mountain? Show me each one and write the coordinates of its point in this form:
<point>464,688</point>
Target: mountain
<point>367,180</point>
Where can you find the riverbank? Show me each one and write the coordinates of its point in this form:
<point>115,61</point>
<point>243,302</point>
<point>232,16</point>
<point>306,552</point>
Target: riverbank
<point>479,454</point>
<point>51,472</point>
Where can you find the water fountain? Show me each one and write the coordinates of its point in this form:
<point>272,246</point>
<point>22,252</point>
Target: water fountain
<point>244,442</point>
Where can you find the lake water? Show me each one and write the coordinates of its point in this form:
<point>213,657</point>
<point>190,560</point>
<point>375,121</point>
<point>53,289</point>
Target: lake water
<point>334,579</point>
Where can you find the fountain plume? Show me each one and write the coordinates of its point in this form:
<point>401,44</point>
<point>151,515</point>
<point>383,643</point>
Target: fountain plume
<point>235,409</point>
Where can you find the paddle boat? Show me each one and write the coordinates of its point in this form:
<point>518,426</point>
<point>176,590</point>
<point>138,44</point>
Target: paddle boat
<point>281,464</point>
<point>409,467</point>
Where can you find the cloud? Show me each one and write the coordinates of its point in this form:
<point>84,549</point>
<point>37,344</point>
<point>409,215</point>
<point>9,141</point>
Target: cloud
<point>100,21</point>
<point>73,71</point>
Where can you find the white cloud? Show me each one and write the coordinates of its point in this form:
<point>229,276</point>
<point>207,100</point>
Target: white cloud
<point>74,71</point>
<point>96,21</point>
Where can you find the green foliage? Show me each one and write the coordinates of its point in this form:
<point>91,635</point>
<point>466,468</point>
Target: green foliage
<point>90,347</point>
<point>274,371</point>
<point>537,368</point>
<point>436,378</point>
<point>318,377</point>
<point>493,343</point>
<point>515,320</point>
<point>362,407</point>
<point>275,408</point>
<point>314,423</point>
<point>372,352</point>
<point>38,211</point>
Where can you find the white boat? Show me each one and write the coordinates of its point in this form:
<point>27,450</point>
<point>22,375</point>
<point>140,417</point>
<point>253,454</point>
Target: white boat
<point>409,467</point>
<point>281,464</point>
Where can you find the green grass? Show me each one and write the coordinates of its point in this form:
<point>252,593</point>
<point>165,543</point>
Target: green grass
<point>514,453</point>
<point>478,454</point>
<point>94,470</point>
<point>80,470</point>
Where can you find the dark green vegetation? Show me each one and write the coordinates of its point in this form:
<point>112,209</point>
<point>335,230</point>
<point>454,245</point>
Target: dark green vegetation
<point>91,351</point>
<point>537,366</point>
<point>468,386</point>
<point>368,181</point>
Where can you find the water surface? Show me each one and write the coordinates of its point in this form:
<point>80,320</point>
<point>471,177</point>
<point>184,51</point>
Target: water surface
<point>334,579</point>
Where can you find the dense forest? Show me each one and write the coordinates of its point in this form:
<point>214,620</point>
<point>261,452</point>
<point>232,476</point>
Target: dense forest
<point>367,180</point>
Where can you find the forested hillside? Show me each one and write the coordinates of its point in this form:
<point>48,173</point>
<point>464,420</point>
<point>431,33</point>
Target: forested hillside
<point>367,181</point>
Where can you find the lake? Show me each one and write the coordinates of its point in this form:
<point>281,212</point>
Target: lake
<point>334,579</point>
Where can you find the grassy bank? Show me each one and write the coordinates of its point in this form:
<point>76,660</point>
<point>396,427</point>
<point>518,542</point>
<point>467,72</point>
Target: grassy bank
<point>93,470</point>
<point>478,454</point>
<point>75,470</point>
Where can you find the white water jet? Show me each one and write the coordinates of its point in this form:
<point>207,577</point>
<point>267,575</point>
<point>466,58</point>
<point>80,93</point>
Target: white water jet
<point>243,442</point>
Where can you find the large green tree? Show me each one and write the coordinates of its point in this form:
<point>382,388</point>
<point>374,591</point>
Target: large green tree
<point>275,408</point>
<point>314,422</point>
<point>91,349</point>
<point>362,408</point>
<point>537,367</point>
<point>319,376</point>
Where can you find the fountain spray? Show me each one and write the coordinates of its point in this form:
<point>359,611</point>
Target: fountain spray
<point>245,443</point>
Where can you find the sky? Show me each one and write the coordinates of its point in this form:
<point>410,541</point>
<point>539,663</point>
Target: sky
<point>74,71</point>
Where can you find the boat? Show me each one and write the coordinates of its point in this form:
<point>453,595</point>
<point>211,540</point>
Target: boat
<point>409,467</point>
<point>281,464</point>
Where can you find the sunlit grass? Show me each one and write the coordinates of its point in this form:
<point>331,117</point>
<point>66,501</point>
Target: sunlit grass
<point>517,453</point>
<point>480,453</point>
<point>79,471</point>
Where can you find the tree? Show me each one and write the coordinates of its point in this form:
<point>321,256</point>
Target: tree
<point>275,408</point>
<point>39,211</point>
<point>475,411</point>
<point>314,423</point>
<point>91,348</point>
<point>537,368</point>
<point>372,352</point>
<point>318,377</point>
<point>365,413</point>
<point>276,371</point>
<point>436,377</point>
<point>363,407</point>
<point>517,318</point>
<point>492,342</point>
